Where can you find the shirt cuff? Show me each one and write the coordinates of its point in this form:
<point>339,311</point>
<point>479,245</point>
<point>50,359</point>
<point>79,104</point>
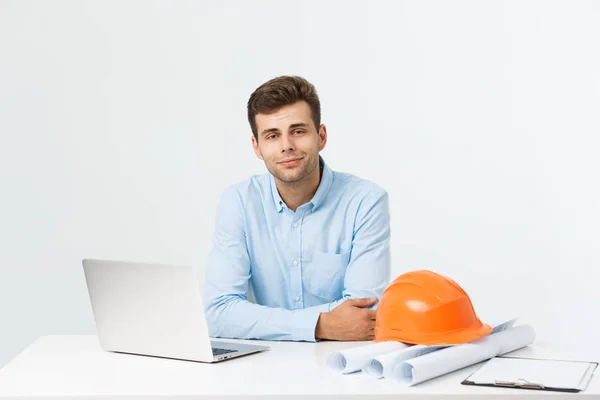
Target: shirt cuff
<point>305,322</point>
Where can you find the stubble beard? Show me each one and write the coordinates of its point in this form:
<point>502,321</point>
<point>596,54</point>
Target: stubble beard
<point>297,177</point>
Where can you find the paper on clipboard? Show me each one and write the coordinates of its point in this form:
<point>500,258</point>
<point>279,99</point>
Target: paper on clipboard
<point>531,373</point>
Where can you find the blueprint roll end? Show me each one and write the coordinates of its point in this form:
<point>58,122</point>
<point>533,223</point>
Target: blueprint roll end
<point>374,368</point>
<point>336,363</point>
<point>403,373</point>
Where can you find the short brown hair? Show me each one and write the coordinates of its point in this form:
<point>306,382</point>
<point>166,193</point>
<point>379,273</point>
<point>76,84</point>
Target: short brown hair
<point>280,92</point>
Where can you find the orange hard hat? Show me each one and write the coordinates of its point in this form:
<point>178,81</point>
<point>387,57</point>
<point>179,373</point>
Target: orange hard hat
<point>423,307</point>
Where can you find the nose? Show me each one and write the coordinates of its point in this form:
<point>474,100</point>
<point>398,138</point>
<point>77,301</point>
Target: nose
<point>287,143</point>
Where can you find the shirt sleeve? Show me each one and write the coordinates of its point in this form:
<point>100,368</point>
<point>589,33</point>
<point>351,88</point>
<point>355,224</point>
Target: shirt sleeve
<point>229,313</point>
<point>369,268</point>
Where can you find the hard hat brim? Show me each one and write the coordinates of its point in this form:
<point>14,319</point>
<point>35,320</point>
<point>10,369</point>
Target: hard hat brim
<point>446,338</point>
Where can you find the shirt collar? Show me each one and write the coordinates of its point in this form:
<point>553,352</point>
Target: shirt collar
<point>324,186</point>
<point>322,190</point>
<point>276,197</point>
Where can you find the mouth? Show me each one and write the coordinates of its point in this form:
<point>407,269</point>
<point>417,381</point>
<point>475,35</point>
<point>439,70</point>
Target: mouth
<point>290,162</point>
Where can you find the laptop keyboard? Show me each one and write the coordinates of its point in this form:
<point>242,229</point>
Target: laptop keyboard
<point>217,352</point>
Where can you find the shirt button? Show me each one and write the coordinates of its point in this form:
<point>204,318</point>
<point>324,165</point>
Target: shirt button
<point>297,298</point>
<point>295,225</point>
<point>295,263</point>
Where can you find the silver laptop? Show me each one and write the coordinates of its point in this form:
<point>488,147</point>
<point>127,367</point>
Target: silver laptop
<point>153,310</point>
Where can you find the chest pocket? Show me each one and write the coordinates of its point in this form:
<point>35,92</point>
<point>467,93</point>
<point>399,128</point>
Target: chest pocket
<point>323,274</point>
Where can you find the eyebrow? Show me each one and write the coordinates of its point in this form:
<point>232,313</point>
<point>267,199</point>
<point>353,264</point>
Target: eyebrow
<point>299,125</point>
<point>292,126</point>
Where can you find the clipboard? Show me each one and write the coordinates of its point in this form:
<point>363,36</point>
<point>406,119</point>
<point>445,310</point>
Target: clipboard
<point>533,374</point>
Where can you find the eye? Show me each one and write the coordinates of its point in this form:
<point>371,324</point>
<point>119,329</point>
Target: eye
<point>299,131</point>
<point>272,136</point>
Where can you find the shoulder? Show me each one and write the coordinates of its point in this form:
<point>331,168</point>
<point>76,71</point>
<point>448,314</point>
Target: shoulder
<point>356,187</point>
<point>247,190</point>
<point>364,200</point>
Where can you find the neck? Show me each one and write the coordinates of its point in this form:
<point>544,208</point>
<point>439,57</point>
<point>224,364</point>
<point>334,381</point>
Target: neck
<point>298,193</point>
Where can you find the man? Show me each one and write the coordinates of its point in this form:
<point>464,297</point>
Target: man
<point>312,243</point>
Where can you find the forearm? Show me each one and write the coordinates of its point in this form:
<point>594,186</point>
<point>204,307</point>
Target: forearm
<point>234,317</point>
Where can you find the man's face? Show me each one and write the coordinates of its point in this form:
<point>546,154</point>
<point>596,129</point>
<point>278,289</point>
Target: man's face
<point>289,143</point>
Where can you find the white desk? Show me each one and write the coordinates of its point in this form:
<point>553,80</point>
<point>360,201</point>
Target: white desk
<point>75,367</point>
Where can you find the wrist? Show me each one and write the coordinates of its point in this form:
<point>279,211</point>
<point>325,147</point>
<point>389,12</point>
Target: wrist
<point>321,330</point>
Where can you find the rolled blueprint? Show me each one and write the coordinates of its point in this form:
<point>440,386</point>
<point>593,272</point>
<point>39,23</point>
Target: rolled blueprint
<point>381,366</point>
<point>437,363</point>
<point>354,359</point>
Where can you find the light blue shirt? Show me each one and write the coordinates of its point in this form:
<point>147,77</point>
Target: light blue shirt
<point>297,264</point>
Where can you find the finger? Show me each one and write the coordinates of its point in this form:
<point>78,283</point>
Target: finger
<point>366,302</point>
<point>369,325</point>
<point>371,314</point>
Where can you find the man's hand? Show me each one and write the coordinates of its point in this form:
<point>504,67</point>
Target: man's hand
<point>348,321</point>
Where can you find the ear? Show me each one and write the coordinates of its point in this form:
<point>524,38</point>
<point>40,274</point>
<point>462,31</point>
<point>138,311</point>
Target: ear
<point>256,149</point>
<point>322,137</point>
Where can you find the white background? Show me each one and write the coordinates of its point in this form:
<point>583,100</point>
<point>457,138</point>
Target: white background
<point>123,121</point>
